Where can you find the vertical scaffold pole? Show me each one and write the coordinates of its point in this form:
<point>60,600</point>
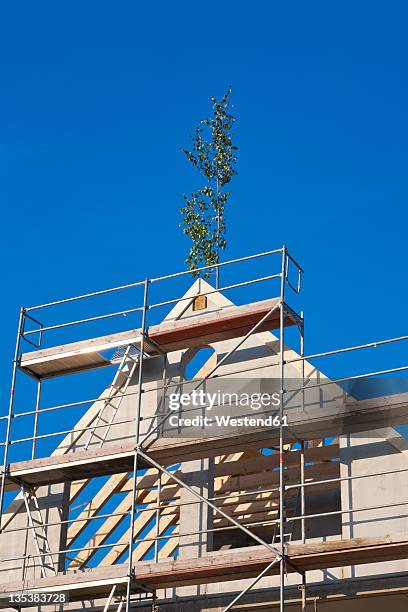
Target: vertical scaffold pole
<point>303,588</point>
<point>10,414</point>
<point>302,457</point>
<point>302,354</point>
<point>137,436</point>
<point>36,417</point>
<point>281,437</point>
<point>302,490</point>
<point>302,443</point>
<point>158,503</point>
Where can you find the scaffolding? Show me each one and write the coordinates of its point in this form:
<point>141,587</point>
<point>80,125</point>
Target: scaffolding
<point>132,349</point>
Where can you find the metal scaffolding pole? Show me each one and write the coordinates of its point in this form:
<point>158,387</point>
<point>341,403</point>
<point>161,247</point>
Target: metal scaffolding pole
<point>36,417</point>
<point>158,508</point>
<point>303,589</point>
<point>137,433</point>
<point>281,436</point>
<point>302,490</point>
<point>303,512</point>
<point>251,585</point>
<point>302,443</point>
<point>10,415</point>
<point>302,458</point>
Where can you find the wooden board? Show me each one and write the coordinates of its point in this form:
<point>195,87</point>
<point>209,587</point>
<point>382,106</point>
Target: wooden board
<point>268,462</point>
<point>89,584</point>
<point>229,565</point>
<point>110,459</point>
<point>230,322</point>
<point>75,356</point>
<point>198,330</point>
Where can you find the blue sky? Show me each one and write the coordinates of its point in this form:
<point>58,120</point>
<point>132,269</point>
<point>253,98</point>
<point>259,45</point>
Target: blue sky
<point>98,97</point>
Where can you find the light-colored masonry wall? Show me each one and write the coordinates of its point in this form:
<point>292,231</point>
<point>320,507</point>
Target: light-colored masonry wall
<point>21,543</point>
<point>372,452</point>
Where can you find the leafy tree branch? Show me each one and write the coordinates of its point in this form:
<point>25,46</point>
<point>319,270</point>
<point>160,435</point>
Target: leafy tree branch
<point>213,155</point>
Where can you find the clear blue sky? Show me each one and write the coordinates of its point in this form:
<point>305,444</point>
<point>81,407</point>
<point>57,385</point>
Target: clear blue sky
<point>98,97</point>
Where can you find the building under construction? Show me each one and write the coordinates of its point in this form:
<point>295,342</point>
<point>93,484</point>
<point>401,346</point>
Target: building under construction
<point>110,501</point>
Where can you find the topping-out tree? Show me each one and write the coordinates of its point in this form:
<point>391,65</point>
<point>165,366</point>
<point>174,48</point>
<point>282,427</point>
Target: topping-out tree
<point>213,155</point>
